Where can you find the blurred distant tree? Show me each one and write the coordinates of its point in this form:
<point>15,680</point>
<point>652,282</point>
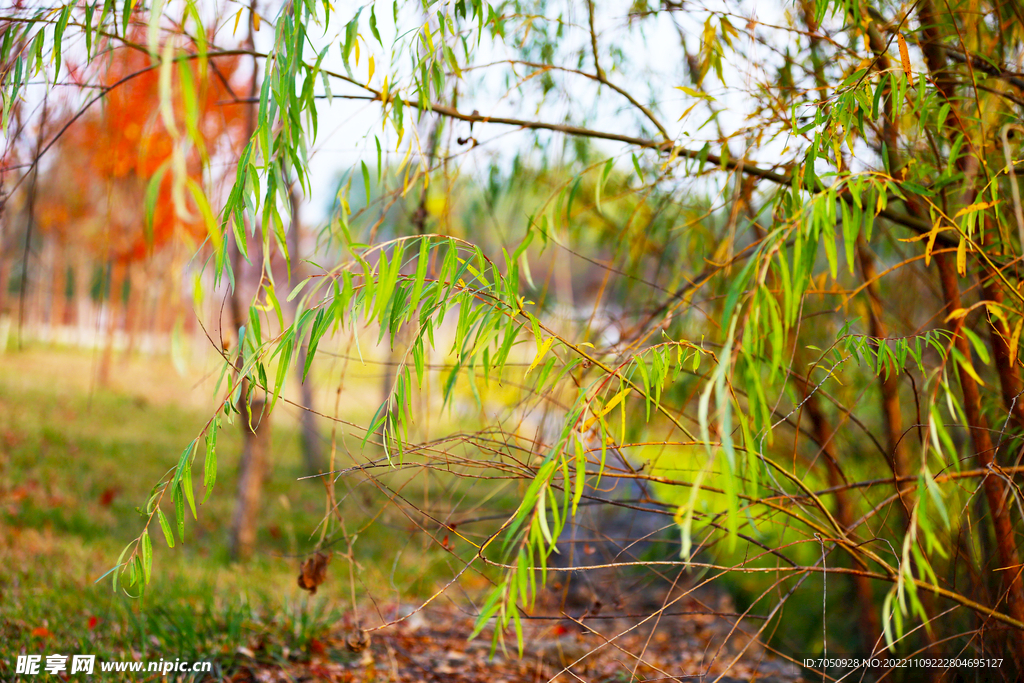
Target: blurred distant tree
<point>122,195</point>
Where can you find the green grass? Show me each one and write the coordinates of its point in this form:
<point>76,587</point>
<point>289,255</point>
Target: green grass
<point>76,463</point>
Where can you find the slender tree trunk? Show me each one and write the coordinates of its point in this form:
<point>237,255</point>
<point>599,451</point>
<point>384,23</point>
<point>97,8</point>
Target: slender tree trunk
<point>252,471</point>
<point>137,287</point>
<point>115,285</point>
<point>30,223</point>
<point>73,290</point>
<point>254,462</point>
<point>5,278</point>
<point>58,311</point>
<point>312,447</point>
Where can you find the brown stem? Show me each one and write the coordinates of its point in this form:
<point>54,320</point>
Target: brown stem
<point>593,39</point>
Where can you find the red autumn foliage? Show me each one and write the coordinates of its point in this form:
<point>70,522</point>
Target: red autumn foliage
<point>94,195</point>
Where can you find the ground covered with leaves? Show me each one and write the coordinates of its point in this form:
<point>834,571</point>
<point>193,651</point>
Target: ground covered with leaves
<point>432,644</point>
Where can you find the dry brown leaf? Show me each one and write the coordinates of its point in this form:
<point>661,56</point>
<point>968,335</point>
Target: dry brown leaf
<point>314,572</point>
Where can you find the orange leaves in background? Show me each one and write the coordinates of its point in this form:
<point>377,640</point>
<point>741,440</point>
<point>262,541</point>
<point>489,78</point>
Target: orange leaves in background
<point>97,191</point>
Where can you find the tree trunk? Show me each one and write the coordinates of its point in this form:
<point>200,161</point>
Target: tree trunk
<point>115,287</point>
<point>252,470</point>
<point>254,462</point>
<point>312,448</point>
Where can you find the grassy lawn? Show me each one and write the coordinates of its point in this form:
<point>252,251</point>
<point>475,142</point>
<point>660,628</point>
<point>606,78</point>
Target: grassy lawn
<point>77,460</point>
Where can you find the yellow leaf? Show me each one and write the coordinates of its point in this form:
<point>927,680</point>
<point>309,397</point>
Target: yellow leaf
<point>671,157</point>
<point>616,400</point>
<point>904,55</point>
<point>541,350</point>
<point>961,257</point>
<point>429,38</point>
<point>405,160</point>
<point>969,369</point>
<point>932,234</point>
<point>1015,341</point>
<point>688,110</point>
<point>957,314</point>
<point>542,519</point>
<point>608,407</point>
<point>357,50</point>
<point>980,206</point>
<point>238,17</point>
<point>996,312</point>
<point>694,93</point>
<point>255,21</point>
<point>370,78</point>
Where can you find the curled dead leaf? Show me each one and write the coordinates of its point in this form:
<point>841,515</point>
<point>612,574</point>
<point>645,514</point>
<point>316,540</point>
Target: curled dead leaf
<point>314,572</point>
<point>358,641</point>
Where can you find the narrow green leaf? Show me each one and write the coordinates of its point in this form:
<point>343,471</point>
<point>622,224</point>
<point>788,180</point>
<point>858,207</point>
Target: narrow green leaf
<point>166,527</point>
<point>419,279</point>
<point>373,25</point>
<point>119,567</point>
<point>58,36</point>
<point>149,202</point>
<point>147,556</point>
<point>366,181</point>
<point>179,510</point>
<point>320,326</point>
<point>210,468</point>
<point>636,167</point>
